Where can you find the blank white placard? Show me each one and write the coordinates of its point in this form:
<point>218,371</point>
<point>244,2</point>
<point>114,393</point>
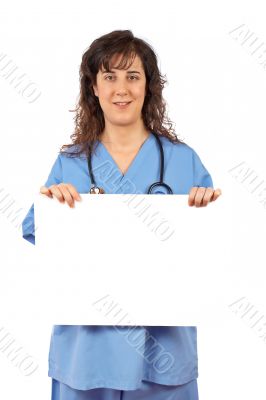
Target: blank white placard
<point>132,259</point>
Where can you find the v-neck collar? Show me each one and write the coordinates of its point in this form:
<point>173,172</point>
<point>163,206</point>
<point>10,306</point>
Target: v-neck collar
<point>135,163</point>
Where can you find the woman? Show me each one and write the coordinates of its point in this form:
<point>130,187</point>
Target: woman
<point>120,109</point>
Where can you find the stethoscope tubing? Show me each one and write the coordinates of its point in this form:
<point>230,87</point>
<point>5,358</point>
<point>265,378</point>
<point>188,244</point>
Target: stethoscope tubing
<point>152,186</point>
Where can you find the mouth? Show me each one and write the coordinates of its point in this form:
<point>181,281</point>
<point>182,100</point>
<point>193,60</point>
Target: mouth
<point>122,104</point>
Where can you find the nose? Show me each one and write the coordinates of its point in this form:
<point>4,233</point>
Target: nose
<point>121,87</point>
<point>121,91</point>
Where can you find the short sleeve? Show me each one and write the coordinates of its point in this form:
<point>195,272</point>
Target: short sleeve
<point>55,177</point>
<point>201,176</point>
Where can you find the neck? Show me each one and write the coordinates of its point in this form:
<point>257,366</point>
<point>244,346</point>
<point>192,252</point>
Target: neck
<point>124,137</point>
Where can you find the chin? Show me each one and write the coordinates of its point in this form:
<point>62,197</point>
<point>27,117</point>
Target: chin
<point>122,121</point>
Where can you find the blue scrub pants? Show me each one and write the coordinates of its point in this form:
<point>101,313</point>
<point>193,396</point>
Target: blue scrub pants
<point>147,391</point>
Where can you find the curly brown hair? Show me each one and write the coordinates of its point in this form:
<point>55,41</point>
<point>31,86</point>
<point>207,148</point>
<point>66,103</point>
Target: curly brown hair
<point>89,118</point>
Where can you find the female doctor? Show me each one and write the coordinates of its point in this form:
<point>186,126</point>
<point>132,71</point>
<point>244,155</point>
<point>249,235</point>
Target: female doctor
<point>120,112</point>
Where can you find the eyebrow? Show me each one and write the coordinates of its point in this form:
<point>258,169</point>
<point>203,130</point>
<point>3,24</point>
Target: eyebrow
<point>113,72</point>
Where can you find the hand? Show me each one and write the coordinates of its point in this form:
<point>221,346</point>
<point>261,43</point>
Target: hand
<point>201,196</point>
<point>62,191</point>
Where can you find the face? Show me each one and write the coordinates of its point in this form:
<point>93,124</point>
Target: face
<point>121,86</point>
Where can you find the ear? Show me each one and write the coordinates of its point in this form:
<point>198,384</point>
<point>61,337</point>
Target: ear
<point>95,90</point>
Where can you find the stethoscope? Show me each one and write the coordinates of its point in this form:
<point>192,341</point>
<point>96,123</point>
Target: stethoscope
<point>97,190</point>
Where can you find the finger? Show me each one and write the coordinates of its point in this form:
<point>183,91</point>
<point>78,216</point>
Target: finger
<point>208,195</point>
<point>192,195</point>
<point>54,189</point>
<point>216,194</point>
<point>67,195</point>
<point>73,191</point>
<point>199,196</point>
<point>46,191</point>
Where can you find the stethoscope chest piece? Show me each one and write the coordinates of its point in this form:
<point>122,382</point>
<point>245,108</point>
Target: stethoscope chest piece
<point>96,190</point>
<point>156,185</point>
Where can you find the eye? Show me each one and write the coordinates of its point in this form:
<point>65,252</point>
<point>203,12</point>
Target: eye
<point>130,76</point>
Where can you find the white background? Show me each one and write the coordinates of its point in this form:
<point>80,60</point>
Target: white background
<point>215,96</point>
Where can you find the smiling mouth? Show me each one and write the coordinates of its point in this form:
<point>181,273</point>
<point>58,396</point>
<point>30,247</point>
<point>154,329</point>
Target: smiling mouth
<point>121,104</point>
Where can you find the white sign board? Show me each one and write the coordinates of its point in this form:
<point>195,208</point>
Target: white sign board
<point>122,259</point>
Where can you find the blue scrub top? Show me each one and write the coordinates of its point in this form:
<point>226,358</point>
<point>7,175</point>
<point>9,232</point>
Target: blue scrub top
<point>120,357</point>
